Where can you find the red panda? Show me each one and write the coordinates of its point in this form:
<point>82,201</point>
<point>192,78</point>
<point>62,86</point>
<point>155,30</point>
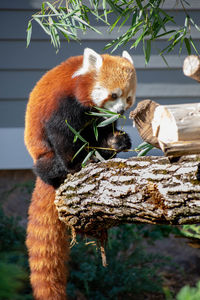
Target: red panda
<point>68,92</point>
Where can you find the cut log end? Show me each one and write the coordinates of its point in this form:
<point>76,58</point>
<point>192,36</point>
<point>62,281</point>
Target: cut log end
<point>191,67</point>
<point>172,128</point>
<point>143,116</point>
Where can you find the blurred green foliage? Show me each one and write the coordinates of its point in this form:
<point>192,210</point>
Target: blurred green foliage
<point>189,293</point>
<point>132,272</point>
<point>14,278</point>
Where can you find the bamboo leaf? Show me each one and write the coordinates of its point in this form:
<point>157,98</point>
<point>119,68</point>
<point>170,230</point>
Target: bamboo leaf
<point>108,121</point>
<point>76,133</point>
<point>83,147</point>
<point>29,33</point>
<point>193,45</point>
<point>44,27</point>
<point>194,24</point>
<point>52,7</point>
<point>43,8</point>
<point>87,158</point>
<point>187,44</point>
<point>143,145</point>
<point>98,156</point>
<point>96,134</point>
<point>144,151</point>
<point>139,4</point>
<point>165,33</point>
<point>147,50</point>
<point>104,9</point>
<point>116,8</point>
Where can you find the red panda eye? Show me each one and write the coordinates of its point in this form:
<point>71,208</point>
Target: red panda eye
<point>114,96</point>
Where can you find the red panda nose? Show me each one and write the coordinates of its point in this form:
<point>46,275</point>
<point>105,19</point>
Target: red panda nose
<point>121,112</point>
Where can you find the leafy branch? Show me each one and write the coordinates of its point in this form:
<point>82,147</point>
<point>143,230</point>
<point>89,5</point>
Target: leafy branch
<point>146,20</point>
<point>96,122</point>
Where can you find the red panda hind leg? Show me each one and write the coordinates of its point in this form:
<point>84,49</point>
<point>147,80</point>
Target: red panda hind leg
<point>47,245</point>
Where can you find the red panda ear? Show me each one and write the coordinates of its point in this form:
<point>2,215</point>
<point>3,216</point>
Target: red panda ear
<point>126,55</point>
<point>91,61</point>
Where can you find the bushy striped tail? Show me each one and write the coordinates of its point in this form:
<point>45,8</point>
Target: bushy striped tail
<point>47,245</point>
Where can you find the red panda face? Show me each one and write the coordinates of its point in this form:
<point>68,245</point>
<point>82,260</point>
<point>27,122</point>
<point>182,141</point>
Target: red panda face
<point>112,80</point>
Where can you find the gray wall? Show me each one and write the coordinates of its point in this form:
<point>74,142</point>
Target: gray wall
<point>21,67</point>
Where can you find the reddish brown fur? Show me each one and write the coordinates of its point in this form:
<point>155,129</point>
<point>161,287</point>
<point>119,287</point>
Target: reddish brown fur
<point>46,235</point>
<point>47,245</point>
<point>55,84</point>
<point>117,72</point>
<point>46,240</point>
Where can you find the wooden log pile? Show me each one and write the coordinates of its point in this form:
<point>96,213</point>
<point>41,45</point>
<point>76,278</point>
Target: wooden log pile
<point>172,128</point>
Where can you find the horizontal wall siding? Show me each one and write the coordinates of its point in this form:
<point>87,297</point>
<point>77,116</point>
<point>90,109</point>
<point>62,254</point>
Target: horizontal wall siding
<point>30,4</point>
<point>21,67</point>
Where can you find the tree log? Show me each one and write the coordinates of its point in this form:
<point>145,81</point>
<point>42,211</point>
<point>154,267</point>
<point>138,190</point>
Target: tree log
<point>147,189</point>
<point>191,67</point>
<point>173,128</point>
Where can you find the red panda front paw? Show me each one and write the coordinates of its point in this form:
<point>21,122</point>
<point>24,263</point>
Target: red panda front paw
<point>119,141</point>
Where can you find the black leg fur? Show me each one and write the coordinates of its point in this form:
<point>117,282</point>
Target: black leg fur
<point>53,167</point>
<point>51,170</point>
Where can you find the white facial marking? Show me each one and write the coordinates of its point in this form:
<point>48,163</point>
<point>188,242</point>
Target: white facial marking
<point>91,61</point>
<point>116,106</point>
<point>99,94</point>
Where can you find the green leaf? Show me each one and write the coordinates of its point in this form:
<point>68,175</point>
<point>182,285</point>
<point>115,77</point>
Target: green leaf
<point>96,134</point>
<point>143,145</point>
<point>134,17</point>
<point>138,40</point>
<point>98,156</point>
<point>193,45</point>
<point>145,151</point>
<point>29,33</point>
<point>83,147</point>
<point>116,8</point>
<point>103,115</point>
<point>105,110</point>
<point>165,33</point>
<point>76,133</point>
<point>108,121</point>
<point>54,35</point>
<point>44,27</point>
<point>147,50</point>
<point>164,59</point>
<point>114,24</point>
<point>187,44</point>
<point>139,4</point>
<point>63,30</point>
<point>194,24</point>
<point>52,8</point>
<point>87,158</point>
<point>104,9</point>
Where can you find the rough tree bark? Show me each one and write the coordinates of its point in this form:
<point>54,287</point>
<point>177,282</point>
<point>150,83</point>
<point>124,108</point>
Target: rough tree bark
<point>147,189</point>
